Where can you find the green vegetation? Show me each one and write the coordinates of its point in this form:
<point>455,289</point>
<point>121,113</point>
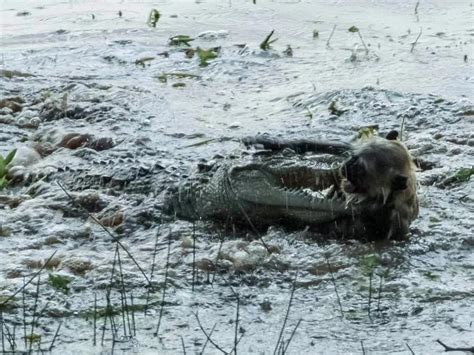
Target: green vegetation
<point>367,132</point>
<point>430,276</point>
<point>463,175</point>
<point>353,29</point>
<point>206,55</point>
<point>3,168</point>
<point>33,338</point>
<point>13,73</point>
<point>60,283</point>
<point>180,39</point>
<point>153,18</point>
<point>368,263</point>
<point>265,45</point>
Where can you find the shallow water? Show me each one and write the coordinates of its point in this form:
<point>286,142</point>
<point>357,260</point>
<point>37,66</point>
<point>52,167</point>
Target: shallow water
<point>422,289</point>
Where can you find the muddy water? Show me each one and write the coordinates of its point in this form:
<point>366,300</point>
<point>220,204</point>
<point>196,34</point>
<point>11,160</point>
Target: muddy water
<point>137,135</point>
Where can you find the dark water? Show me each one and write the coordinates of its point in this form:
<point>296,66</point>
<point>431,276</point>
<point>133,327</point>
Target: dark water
<point>153,135</point>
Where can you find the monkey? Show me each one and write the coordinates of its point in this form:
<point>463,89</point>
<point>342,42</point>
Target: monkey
<point>379,181</point>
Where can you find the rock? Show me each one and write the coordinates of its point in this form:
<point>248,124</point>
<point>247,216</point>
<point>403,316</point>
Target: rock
<point>13,103</point>
<point>54,110</point>
<point>28,114</point>
<point>35,122</point>
<point>7,119</point>
<point>75,140</point>
<point>100,144</point>
<point>79,266</point>
<point>187,243</point>
<point>112,220</point>
<point>39,263</point>
<point>6,111</point>
<point>205,264</point>
<point>12,201</point>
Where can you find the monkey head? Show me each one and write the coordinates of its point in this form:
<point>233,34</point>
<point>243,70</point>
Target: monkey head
<point>380,179</point>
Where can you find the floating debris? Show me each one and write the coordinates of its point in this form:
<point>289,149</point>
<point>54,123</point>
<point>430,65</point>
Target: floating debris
<point>111,59</point>
<point>367,132</point>
<point>143,61</point>
<point>265,45</point>
<point>416,41</point>
<point>330,36</point>
<point>189,53</point>
<point>204,142</point>
<point>60,282</point>
<point>353,29</point>
<point>288,51</point>
<point>164,77</point>
<point>12,73</point>
<point>207,54</point>
<point>336,110</point>
<point>3,168</point>
<point>153,18</point>
<point>463,175</point>
<point>211,35</point>
<point>180,39</point>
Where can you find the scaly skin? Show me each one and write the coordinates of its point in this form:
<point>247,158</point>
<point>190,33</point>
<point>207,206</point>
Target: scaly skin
<point>262,194</point>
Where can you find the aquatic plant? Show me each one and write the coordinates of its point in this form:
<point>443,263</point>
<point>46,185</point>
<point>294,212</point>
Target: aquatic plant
<point>463,174</point>
<point>3,168</point>
<point>368,264</point>
<point>59,282</point>
<point>153,18</point>
<point>353,29</point>
<point>330,36</point>
<point>206,54</point>
<point>13,73</point>
<point>180,39</point>
<point>416,40</point>
<point>365,133</point>
<point>265,45</point>
<point>143,61</point>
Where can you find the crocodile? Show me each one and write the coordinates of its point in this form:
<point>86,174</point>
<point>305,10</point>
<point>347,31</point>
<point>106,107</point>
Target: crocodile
<point>291,192</point>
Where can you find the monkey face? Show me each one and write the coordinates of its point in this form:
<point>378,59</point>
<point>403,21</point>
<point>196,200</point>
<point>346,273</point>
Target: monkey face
<point>379,182</point>
<point>354,172</point>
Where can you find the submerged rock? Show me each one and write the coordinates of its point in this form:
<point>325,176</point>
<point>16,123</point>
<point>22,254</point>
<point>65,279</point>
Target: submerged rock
<point>12,103</point>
